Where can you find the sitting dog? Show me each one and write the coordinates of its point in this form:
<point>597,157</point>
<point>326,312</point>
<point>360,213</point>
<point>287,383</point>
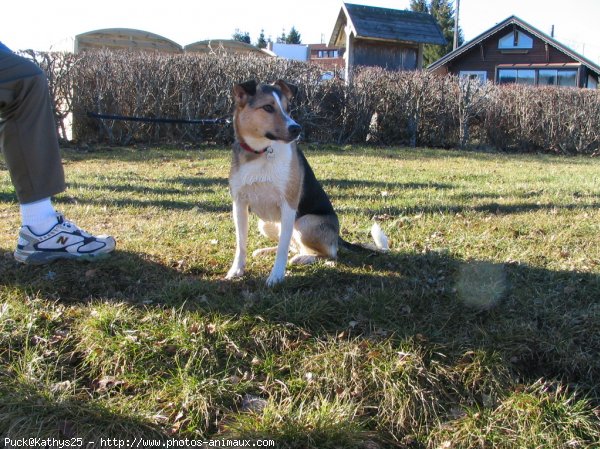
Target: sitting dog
<point>270,176</point>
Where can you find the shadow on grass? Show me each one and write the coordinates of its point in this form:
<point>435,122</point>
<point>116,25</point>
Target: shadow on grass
<point>331,183</point>
<point>490,208</point>
<point>123,277</point>
<point>542,323</point>
<point>201,206</point>
<point>24,407</point>
<point>122,184</point>
<point>533,316</point>
<point>143,153</point>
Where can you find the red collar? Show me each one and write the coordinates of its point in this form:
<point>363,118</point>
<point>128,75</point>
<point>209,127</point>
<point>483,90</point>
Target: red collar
<point>249,149</point>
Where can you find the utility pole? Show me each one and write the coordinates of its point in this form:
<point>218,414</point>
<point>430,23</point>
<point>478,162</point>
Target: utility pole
<point>455,45</point>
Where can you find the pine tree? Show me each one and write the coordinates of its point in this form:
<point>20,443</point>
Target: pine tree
<point>443,12</point>
<point>293,37</point>
<point>262,42</point>
<point>241,36</point>
<point>281,39</point>
<point>419,6</point>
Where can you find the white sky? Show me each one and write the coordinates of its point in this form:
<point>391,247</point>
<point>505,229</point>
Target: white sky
<point>46,24</point>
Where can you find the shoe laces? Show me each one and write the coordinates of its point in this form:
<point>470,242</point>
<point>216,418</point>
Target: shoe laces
<point>70,225</point>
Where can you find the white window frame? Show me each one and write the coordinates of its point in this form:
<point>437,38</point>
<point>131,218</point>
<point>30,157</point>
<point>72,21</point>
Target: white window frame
<point>524,42</point>
<point>481,74</point>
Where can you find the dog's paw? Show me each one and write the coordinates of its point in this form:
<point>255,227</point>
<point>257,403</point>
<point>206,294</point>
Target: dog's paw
<point>275,278</point>
<point>235,272</point>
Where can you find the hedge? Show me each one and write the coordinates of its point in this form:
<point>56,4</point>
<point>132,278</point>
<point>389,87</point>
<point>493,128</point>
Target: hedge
<point>378,106</point>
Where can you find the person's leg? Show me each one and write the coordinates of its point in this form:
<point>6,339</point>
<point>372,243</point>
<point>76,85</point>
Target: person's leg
<point>30,146</point>
<point>27,130</point>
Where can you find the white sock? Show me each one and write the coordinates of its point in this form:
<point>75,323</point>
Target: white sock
<point>39,216</point>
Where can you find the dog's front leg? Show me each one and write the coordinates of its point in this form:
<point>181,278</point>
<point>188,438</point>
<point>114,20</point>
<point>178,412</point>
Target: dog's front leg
<point>240,218</point>
<point>288,217</point>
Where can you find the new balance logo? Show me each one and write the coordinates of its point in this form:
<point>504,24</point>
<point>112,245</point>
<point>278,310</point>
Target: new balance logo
<point>62,240</point>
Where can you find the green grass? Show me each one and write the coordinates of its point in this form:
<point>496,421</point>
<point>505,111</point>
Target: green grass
<point>481,328</point>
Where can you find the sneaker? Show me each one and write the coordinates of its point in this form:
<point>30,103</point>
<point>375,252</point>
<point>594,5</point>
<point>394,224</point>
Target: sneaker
<point>63,241</point>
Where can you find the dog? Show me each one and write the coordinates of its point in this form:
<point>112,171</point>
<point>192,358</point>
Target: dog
<point>270,176</point>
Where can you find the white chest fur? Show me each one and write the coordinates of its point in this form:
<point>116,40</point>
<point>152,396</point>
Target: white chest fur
<point>262,182</point>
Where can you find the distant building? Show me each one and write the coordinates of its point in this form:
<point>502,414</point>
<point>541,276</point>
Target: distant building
<point>329,58</point>
<point>296,52</point>
<point>125,39</point>
<point>513,51</point>
<point>138,40</point>
<point>383,37</point>
<point>220,46</point>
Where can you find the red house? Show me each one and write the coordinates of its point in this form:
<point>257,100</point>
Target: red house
<point>515,52</point>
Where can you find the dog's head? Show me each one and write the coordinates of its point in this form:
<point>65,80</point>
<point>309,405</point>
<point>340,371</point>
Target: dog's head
<point>262,113</point>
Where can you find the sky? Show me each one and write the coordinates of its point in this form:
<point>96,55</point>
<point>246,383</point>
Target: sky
<point>45,25</point>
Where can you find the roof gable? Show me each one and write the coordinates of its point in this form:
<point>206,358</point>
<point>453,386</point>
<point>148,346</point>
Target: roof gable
<point>392,25</point>
<point>514,20</point>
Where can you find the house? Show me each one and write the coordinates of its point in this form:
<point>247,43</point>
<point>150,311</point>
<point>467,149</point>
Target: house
<point>329,58</point>
<point>220,46</point>
<point>513,51</point>
<point>383,37</point>
<point>125,39</point>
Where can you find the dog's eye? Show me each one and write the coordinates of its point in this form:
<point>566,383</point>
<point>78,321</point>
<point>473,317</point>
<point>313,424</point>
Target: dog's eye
<point>270,109</point>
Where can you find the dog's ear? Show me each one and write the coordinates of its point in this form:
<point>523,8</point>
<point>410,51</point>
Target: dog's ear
<point>288,89</point>
<point>242,91</point>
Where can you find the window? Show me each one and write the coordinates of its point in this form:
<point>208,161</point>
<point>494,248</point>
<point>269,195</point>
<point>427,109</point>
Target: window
<point>507,76</point>
<point>520,76</point>
<point>567,78</point>
<point>480,75</point>
<point>547,77</point>
<point>526,77</point>
<point>327,54</point>
<point>515,40</point>
<point>592,83</point>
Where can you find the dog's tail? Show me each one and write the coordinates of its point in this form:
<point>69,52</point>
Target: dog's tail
<point>380,240</point>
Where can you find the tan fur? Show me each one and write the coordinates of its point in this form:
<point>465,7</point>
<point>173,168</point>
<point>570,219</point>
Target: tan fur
<point>314,235</point>
<point>294,187</point>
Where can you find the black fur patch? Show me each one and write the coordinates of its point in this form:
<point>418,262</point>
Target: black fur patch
<point>249,87</point>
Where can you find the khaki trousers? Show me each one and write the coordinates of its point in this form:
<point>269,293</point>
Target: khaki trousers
<point>27,130</point>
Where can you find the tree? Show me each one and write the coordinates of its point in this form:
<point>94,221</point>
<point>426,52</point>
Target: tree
<point>281,39</point>
<point>262,42</point>
<point>293,37</point>
<point>241,36</point>
<point>419,6</point>
<point>443,13</point>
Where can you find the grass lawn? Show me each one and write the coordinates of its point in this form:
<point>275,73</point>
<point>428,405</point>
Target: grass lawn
<point>479,329</point>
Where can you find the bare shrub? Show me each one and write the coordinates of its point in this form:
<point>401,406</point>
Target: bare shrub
<point>378,106</point>
<point>561,120</point>
<point>472,100</point>
<point>60,69</point>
